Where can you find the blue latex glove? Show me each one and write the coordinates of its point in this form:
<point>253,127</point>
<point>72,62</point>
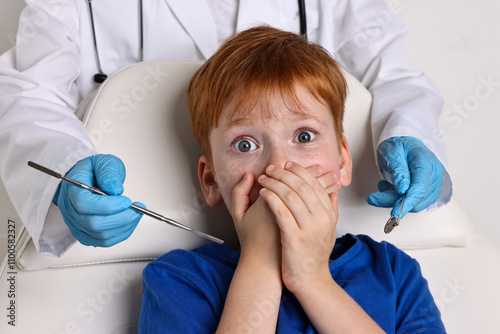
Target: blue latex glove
<point>409,167</point>
<point>96,220</point>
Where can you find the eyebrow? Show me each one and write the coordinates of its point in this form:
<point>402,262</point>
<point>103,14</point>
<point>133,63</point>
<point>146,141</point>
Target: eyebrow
<point>299,115</point>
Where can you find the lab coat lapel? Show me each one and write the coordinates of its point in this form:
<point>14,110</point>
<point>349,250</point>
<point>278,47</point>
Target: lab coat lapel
<point>196,17</point>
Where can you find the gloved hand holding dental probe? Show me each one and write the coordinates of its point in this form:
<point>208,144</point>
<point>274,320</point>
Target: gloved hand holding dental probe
<point>410,168</point>
<point>103,221</point>
<point>97,220</point>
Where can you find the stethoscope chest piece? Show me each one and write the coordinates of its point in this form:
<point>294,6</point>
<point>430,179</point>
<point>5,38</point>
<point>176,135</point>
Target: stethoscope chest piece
<point>100,77</point>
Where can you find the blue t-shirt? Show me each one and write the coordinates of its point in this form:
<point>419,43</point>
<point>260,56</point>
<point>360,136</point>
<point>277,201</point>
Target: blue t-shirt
<point>185,291</point>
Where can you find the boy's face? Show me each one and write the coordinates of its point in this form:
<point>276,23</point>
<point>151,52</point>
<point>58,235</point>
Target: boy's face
<point>249,142</point>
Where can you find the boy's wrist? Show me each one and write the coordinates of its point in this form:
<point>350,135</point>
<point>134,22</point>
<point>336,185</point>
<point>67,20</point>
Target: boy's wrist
<point>261,260</point>
<point>314,287</point>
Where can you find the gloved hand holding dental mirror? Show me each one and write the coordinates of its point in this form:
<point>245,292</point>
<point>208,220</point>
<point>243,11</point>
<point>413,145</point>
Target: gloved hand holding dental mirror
<point>414,178</point>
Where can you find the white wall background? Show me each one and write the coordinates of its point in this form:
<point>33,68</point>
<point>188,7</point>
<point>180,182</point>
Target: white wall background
<point>457,44</point>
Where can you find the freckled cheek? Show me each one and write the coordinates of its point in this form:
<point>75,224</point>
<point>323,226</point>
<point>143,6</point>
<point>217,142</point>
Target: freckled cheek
<point>328,162</point>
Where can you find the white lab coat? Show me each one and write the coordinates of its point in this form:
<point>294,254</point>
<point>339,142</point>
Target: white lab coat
<point>49,72</point>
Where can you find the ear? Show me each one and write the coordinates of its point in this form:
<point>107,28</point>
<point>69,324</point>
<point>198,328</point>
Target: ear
<point>209,186</point>
<point>345,163</point>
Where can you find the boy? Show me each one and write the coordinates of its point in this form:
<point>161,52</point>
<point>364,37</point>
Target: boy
<point>267,109</point>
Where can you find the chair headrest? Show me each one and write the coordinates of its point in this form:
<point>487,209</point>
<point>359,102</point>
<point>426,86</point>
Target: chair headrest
<point>140,115</point>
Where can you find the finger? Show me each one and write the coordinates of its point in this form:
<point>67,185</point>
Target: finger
<point>397,207</point>
<point>427,178</point>
<point>334,201</point>
<point>386,199</point>
<point>284,217</point>
<point>118,223</point>
<point>329,181</point>
<point>109,173</point>
<point>431,197</point>
<point>291,201</point>
<point>89,240</point>
<point>86,202</point>
<point>89,233</point>
<point>104,227</point>
<point>82,237</point>
<point>83,172</point>
<point>108,229</point>
<point>106,172</point>
<point>315,171</point>
<point>384,186</point>
<point>294,191</point>
<point>421,182</point>
<point>241,196</point>
<point>417,194</point>
<point>393,164</point>
<point>401,178</point>
<point>117,239</point>
<point>303,183</point>
<point>311,181</point>
<point>424,190</point>
<point>294,202</point>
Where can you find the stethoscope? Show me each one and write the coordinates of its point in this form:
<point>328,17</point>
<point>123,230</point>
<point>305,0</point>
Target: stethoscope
<point>101,76</point>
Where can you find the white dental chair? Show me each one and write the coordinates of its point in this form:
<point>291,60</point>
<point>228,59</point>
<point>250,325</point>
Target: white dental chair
<point>98,290</point>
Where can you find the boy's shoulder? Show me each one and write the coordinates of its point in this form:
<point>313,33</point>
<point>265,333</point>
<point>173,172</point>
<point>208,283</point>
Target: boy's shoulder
<point>206,270</point>
<point>210,255</point>
<point>350,252</point>
<point>364,250</point>
<point>363,240</point>
<point>383,246</point>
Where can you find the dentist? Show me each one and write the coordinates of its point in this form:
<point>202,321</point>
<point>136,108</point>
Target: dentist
<point>66,48</point>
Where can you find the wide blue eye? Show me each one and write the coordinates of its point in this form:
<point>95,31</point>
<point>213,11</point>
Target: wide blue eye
<point>304,136</point>
<point>245,145</point>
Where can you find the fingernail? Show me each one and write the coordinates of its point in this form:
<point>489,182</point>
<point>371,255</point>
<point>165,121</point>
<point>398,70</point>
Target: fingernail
<point>289,165</point>
<point>262,177</point>
<point>270,168</point>
<point>319,170</point>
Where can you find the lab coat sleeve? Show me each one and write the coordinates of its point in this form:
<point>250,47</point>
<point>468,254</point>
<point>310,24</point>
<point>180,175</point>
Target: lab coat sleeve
<point>405,102</point>
<point>38,97</point>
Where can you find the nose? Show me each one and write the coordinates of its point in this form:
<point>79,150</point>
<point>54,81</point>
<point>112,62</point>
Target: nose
<point>278,155</point>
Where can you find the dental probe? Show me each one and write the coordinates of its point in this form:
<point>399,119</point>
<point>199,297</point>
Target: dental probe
<point>393,221</point>
<point>134,206</point>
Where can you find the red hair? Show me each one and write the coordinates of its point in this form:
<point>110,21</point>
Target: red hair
<point>256,63</point>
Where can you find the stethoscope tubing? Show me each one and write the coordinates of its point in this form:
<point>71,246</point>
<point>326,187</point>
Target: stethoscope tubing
<point>302,18</point>
<point>101,76</point>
